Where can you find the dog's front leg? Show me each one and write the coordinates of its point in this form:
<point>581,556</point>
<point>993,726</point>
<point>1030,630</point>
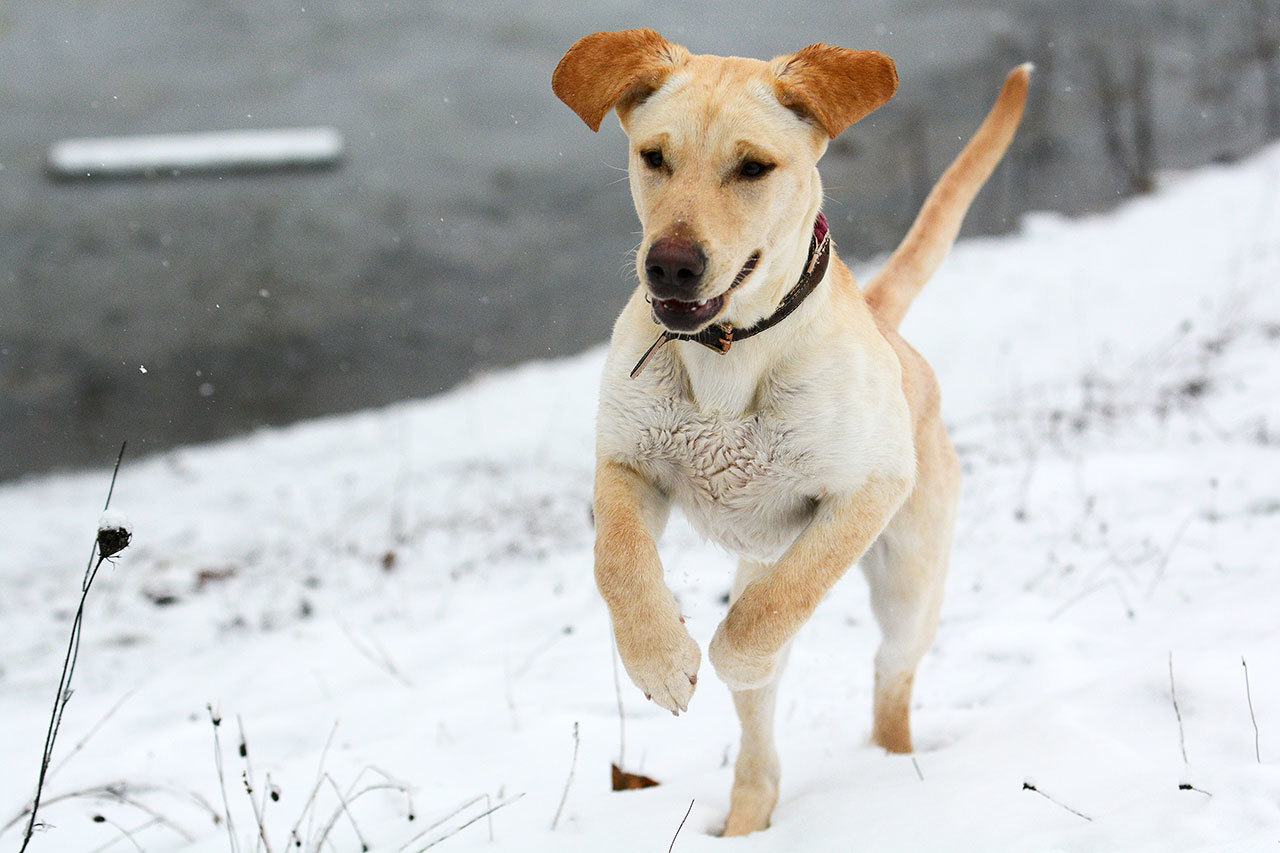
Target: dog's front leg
<point>655,647</point>
<point>772,608</point>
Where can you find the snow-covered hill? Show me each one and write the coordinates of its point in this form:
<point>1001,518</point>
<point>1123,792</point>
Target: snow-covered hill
<point>420,575</point>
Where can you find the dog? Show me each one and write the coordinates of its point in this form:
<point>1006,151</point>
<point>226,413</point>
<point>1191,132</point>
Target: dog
<point>752,383</point>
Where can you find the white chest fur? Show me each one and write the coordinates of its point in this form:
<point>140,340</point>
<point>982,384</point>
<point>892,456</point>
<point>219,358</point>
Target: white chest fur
<point>747,455</point>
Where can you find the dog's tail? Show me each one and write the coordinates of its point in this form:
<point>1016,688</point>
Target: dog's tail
<point>920,254</point>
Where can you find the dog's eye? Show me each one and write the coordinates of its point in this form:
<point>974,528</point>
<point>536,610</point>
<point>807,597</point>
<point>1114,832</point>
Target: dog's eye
<point>652,158</point>
<point>754,169</point>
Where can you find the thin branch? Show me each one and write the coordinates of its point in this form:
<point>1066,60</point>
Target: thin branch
<point>468,804</point>
<point>1257,750</point>
<point>134,831</point>
<point>364,845</point>
<point>120,829</point>
<point>216,720</point>
<point>119,792</point>
<point>63,696</point>
<point>345,801</point>
<point>1028,786</point>
<point>480,816</point>
<point>93,730</point>
<point>1173,694</point>
<point>573,764</point>
<point>315,790</point>
<point>672,845</point>
<point>247,777</point>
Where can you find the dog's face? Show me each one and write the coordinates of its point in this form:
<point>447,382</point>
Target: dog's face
<point>722,160</point>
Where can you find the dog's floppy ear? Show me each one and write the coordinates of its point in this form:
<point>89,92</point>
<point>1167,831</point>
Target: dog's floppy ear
<point>835,87</point>
<point>618,70</point>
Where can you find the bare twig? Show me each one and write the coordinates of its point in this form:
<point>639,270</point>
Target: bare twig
<point>247,778</point>
<point>375,654</point>
<point>130,834</point>
<point>311,800</point>
<point>1187,786</point>
<point>120,829</point>
<point>1173,694</point>
<point>1028,786</point>
<point>480,816</point>
<point>450,816</point>
<point>345,801</point>
<point>63,696</point>
<point>573,764</point>
<point>342,801</point>
<point>216,719</point>
<point>672,845</point>
<point>916,765</point>
<point>1168,553</point>
<point>1248,694</point>
<point>93,730</point>
<point>126,793</point>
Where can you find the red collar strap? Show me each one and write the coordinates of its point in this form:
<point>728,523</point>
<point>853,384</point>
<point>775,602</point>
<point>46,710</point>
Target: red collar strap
<point>721,336</point>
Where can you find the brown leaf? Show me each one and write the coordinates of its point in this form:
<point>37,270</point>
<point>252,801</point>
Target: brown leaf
<point>624,781</point>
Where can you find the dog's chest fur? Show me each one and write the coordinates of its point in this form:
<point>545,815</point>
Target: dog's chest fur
<point>747,464</point>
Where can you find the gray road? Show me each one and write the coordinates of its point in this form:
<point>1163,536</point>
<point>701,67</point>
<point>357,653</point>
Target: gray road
<point>476,223</point>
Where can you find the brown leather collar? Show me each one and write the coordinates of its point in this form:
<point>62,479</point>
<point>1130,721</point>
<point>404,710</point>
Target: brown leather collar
<point>721,336</point>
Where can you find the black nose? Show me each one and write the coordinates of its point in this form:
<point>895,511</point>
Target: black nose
<point>674,266</point>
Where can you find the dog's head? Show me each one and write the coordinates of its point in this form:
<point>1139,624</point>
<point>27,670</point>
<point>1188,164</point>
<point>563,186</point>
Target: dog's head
<point>722,161</point>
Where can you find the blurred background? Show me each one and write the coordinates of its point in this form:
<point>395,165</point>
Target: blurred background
<point>474,221</point>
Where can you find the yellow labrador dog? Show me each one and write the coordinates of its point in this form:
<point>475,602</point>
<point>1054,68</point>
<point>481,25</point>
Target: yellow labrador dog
<point>753,384</point>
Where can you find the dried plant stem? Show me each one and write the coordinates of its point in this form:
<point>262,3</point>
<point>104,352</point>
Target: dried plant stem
<point>249,784</point>
<point>93,730</point>
<point>134,831</point>
<point>1173,694</point>
<point>573,764</point>
<point>63,696</point>
<point>308,807</point>
<point>478,817</point>
<point>124,832</point>
<point>216,721</point>
<point>468,804</point>
<point>1248,694</point>
<point>687,812</point>
<point>1027,786</point>
<point>344,808</point>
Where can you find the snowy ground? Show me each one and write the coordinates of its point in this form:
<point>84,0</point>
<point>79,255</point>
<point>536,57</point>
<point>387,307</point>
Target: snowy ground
<point>420,575</point>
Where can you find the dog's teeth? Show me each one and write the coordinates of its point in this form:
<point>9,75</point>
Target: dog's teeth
<point>701,302</point>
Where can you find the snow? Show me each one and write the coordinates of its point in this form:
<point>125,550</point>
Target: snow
<point>114,519</point>
<point>421,575</point>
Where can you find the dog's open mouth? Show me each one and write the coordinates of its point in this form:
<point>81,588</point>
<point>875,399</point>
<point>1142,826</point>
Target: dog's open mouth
<point>681,316</point>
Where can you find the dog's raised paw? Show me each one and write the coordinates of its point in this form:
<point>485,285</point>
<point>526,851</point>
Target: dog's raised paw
<point>665,669</point>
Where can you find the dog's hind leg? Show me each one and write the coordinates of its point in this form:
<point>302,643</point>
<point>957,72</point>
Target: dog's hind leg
<point>907,570</point>
<point>757,772</point>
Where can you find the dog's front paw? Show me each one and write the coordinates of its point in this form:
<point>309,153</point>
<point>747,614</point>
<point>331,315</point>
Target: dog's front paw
<point>663,662</point>
<point>737,667</point>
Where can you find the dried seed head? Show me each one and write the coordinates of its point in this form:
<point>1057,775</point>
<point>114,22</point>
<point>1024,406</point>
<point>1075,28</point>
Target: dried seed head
<point>114,534</point>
